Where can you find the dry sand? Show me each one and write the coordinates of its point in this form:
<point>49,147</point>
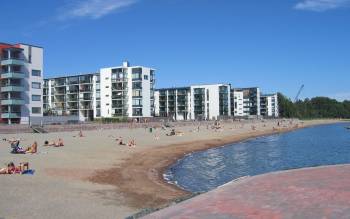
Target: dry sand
<point>94,177</point>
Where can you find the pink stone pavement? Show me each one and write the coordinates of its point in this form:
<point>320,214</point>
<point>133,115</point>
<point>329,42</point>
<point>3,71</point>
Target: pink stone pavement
<point>310,193</point>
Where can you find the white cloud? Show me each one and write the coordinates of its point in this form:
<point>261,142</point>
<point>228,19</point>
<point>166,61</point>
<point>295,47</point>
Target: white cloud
<point>93,9</point>
<point>321,5</point>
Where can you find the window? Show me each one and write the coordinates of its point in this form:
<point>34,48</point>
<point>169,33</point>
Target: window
<point>137,102</point>
<point>145,77</point>
<point>36,97</point>
<point>36,110</point>
<point>136,85</point>
<point>36,85</point>
<point>137,112</point>
<point>136,76</point>
<point>136,93</point>
<point>36,73</point>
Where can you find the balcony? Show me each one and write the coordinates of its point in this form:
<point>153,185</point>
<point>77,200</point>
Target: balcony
<point>11,88</point>
<point>12,102</point>
<point>12,115</point>
<point>13,61</point>
<point>12,75</point>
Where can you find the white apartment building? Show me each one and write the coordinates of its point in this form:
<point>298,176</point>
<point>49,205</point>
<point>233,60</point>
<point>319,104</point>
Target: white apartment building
<point>201,102</point>
<point>21,69</point>
<point>245,102</point>
<point>269,105</point>
<point>124,91</point>
<point>77,95</point>
<point>127,91</point>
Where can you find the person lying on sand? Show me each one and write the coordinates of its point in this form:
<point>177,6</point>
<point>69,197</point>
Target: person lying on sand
<point>11,168</point>
<point>59,143</point>
<point>32,149</point>
<point>49,143</point>
<point>172,133</point>
<point>16,149</point>
<point>120,141</point>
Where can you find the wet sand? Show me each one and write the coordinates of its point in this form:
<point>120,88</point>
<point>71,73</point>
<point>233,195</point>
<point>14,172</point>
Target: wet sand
<point>94,177</point>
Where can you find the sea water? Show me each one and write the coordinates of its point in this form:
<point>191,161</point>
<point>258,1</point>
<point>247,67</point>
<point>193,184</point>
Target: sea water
<point>309,147</point>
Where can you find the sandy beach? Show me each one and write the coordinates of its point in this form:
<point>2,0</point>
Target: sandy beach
<point>94,177</point>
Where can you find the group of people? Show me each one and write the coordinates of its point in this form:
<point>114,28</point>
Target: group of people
<point>131,143</point>
<point>16,149</point>
<point>11,168</point>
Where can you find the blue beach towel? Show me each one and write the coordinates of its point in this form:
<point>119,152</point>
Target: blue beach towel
<point>29,172</point>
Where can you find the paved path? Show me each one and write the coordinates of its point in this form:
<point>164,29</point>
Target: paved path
<point>310,193</point>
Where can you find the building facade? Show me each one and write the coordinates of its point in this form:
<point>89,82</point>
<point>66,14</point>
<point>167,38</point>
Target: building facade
<point>77,95</point>
<point>269,105</point>
<point>202,102</point>
<point>124,91</point>
<point>127,91</point>
<point>21,69</point>
<point>245,102</point>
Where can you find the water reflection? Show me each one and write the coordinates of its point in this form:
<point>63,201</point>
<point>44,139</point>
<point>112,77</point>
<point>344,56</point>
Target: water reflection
<point>322,145</point>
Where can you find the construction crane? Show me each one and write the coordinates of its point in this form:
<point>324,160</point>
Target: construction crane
<point>299,92</point>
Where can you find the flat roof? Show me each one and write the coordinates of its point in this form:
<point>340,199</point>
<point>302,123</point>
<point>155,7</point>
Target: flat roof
<point>266,95</point>
<point>72,75</point>
<point>26,44</point>
<point>193,85</point>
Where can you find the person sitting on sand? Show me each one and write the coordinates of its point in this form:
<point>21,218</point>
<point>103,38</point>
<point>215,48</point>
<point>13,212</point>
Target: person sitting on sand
<point>132,143</point>
<point>32,149</point>
<point>80,134</point>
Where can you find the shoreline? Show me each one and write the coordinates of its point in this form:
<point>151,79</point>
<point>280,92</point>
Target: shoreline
<point>140,177</point>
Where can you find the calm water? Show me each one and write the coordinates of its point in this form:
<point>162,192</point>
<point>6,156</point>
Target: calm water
<point>321,145</point>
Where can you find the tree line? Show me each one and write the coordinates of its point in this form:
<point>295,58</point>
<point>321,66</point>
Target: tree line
<point>314,108</point>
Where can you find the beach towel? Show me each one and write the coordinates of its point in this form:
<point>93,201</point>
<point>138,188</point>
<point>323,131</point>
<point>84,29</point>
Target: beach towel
<point>28,172</point>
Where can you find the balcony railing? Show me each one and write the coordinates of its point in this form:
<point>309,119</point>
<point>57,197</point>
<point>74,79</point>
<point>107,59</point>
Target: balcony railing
<point>12,75</point>
<point>12,102</point>
<point>12,61</point>
<point>10,115</point>
<point>12,88</point>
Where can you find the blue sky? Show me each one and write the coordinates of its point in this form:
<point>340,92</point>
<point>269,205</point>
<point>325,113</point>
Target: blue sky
<point>275,44</point>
